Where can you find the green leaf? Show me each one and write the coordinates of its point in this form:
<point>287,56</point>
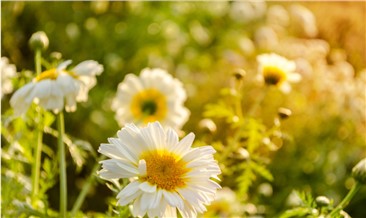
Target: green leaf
<point>296,212</point>
<point>219,110</point>
<point>261,170</point>
<point>245,180</point>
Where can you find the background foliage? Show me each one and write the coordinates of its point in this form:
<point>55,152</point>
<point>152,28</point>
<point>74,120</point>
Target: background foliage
<point>202,44</point>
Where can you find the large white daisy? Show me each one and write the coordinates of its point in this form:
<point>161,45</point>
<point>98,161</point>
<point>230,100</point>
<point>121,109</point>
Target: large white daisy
<point>278,71</point>
<point>154,96</point>
<point>57,87</point>
<point>166,174</point>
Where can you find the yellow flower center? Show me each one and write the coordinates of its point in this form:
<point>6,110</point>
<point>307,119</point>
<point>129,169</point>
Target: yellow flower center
<point>164,170</point>
<point>48,74</point>
<point>273,75</point>
<point>53,74</point>
<point>149,105</point>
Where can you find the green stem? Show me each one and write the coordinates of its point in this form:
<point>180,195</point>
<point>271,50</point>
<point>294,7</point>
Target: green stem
<point>62,162</point>
<point>38,149</point>
<point>355,188</point>
<point>79,201</point>
<point>258,102</point>
<point>38,60</point>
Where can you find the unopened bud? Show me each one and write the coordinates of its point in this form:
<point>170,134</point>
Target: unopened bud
<point>207,125</point>
<point>359,171</point>
<point>284,113</point>
<point>56,55</point>
<point>39,40</point>
<point>244,153</point>
<point>239,74</point>
<point>322,201</point>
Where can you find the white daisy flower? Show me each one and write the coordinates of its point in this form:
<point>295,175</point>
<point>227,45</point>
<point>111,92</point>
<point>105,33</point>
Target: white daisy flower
<point>278,71</point>
<point>154,96</point>
<point>55,88</point>
<point>166,174</point>
<point>8,71</point>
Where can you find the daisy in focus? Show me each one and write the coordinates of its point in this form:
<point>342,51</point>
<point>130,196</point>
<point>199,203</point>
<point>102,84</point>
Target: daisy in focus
<point>8,71</point>
<point>277,71</point>
<point>154,96</point>
<point>57,88</point>
<point>166,174</point>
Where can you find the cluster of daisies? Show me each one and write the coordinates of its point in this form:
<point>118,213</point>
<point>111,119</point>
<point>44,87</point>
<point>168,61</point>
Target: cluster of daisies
<point>166,174</point>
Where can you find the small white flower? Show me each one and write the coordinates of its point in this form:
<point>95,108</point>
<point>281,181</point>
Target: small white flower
<point>278,71</point>
<point>8,71</point>
<point>247,11</point>
<point>154,96</point>
<point>166,174</point>
<point>57,88</point>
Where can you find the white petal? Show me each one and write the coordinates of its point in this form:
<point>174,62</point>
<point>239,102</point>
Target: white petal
<point>294,77</point>
<point>18,101</point>
<point>285,87</point>
<point>127,154</point>
<point>114,169</point>
<point>154,136</point>
<point>147,187</point>
<point>64,64</point>
<point>128,193</point>
<point>146,200</point>
<point>184,145</point>
<point>142,168</point>
<point>173,199</point>
<point>88,68</point>
<point>171,137</point>
<point>170,212</point>
<point>137,211</point>
<point>158,207</point>
<point>188,210</point>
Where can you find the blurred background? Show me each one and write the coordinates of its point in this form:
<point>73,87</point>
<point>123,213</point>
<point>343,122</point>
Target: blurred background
<point>202,44</point>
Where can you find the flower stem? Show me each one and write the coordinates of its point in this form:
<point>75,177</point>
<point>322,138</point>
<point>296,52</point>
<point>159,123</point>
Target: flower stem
<point>356,187</point>
<point>62,162</point>
<point>38,149</point>
<point>258,102</point>
<point>38,59</point>
<point>79,201</point>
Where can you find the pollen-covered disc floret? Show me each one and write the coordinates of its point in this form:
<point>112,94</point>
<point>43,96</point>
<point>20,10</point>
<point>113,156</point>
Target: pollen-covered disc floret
<point>153,96</point>
<point>277,71</point>
<point>57,88</point>
<point>166,174</point>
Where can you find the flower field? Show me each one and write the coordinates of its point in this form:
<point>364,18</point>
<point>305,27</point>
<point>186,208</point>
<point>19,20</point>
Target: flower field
<point>183,109</point>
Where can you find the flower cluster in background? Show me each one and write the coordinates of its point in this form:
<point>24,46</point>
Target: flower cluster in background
<point>277,89</point>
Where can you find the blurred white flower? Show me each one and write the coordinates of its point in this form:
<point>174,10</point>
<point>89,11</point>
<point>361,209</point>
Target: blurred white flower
<point>8,71</point>
<point>54,88</point>
<point>278,71</point>
<point>154,96</point>
<point>265,37</point>
<point>303,21</point>
<point>278,15</point>
<point>166,174</point>
<point>226,204</point>
<point>246,11</point>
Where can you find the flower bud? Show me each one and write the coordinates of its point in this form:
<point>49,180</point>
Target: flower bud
<point>239,74</point>
<point>39,40</point>
<point>56,55</point>
<point>359,171</point>
<point>322,201</point>
<point>284,112</point>
<point>207,125</point>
